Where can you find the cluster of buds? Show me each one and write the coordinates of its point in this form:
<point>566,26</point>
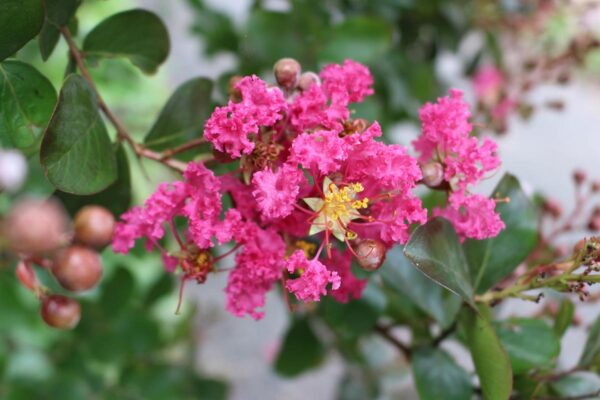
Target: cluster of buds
<point>40,233</point>
<point>312,189</point>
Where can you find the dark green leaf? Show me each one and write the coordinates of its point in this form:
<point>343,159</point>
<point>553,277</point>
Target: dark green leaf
<point>117,291</point>
<point>301,350</point>
<point>434,249</point>
<point>564,317</point>
<point>591,351</point>
<point>116,197</point>
<point>182,118</point>
<point>136,34</point>
<point>399,273</point>
<point>358,384</point>
<point>530,343</point>
<point>26,102</point>
<point>163,286</point>
<point>350,320</point>
<point>20,21</point>
<point>491,361</point>
<point>58,13</point>
<point>437,376</point>
<point>362,39</point>
<point>76,152</point>
<point>492,259</point>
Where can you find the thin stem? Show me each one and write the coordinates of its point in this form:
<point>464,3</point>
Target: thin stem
<point>385,333</point>
<point>184,147</point>
<point>444,334</point>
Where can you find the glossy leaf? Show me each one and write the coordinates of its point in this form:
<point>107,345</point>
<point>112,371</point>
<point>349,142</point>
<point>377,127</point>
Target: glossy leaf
<point>301,350</point>
<point>434,250</point>
<point>352,319</point>
<point>437,376</point>
<point>399,273</point>
<point>493,259</point>
<point>362,39</point>
<point>26,102</point>
<point>564,317</point>
<point>57,14</point>
<point>529,343</point>
<point>182,118</point>
<point>591,351</point>
<point>20,21</point>
<point>137,34</point>
<point>116,197</point>
<point>76,152</point>
<point>491,360</point>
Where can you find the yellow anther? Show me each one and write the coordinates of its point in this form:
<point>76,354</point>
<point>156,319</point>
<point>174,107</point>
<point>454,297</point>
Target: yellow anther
<point>351,235</point>
<point>357,187</point>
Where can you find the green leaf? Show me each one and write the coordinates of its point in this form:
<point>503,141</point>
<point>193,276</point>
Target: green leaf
<point>182,118</point>
<point>301,350</point>
<point>398,273</point>
<point>117,291</point>
<point>530,343</point>
<point>136,34</point>
<point>76,152</point>
<point>26,102</point>
<point>435,250</point>
<point>58,13</point>
<point>564,317</point>
<point>577,385</point>
<point>493,259</point>
<point>20,21</point>
<point>116,197</point>
<point>362,39</point>
<point>591,351</point>
<point>349,320</point>
<point>491,361</point>
<point>437,376</point>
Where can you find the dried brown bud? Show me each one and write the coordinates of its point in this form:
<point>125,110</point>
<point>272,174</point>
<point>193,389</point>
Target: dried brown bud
<point>60,311</point>
<point>308,79</point>
<point>287,71</point>
<point>433,174</point>
<point>596,186</point>
<point>36,226</point>
<point>370,254</point>
<point>579,176</point>
<point>594,223</point>
<point>77,268</point>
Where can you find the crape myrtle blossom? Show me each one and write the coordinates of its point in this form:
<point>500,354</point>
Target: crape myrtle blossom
<point>311,185</point>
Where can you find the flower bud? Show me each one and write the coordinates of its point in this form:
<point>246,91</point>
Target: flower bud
<point>77,268</point>
<point>579,176</point>
<point>60,311</point>
<point>26,275</point>
<point>36,226</point>
<point>94,226</point>
<point>594,223</point>
<point>234,93</point>
<point>370,254</point>
<point>308,79</point>
<point>13,170</point>
<point>552,207</point>
<point>433,174</point>
<point>287,71</point>
<point>596,186</point>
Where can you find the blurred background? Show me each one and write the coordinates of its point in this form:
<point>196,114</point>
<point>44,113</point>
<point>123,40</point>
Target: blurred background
<point>129,344</point>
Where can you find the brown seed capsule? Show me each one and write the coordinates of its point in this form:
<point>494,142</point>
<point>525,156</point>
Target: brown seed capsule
<point>308,79</point>
<point>370,254</point>
<point>594,223</point>
<point>77,268</point>
<point>94,226</point>
<point>579,176</point>
<point>36,226</point>
<point>433,174</point>
<point>287,71</point>
<point>60,311</point>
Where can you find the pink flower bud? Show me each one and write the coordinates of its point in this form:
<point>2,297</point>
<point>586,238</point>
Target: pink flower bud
<point>371,254</point>
<point>433,174</point>
<point>287,72</point>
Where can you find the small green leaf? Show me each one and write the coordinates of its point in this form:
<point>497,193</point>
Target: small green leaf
<point>26,102</point>
<point>491,361</point>
<point>349,320</point>
<point>136,34</point>
<point>399,273</point>
<point>493,259</point>
<point>20,21</point>
<point>591,351</point>
<point>437,376</point>
<point>564,317</point>
<point>76,152</point>
<point>116,197</point>
<point>362,39</point>
<point>182,118</point>
<point>58,13</point>
<point>530,343</point>
<point>435,250</point>
<point>577,385</point>
<point>301,350</point>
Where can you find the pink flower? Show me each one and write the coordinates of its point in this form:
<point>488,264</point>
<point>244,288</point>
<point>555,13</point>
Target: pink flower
<point>347,83</point>
<point>230,128</point>
<point>260,264</point>
<point>396,215</point>
<point>487,83</point>
<point>321,150</point>
<point>472,216</point>
<point>241,196</point>
<point>276,192</point>
<point>313,280</point>
<point>350,286</point>
<point>310,110</point>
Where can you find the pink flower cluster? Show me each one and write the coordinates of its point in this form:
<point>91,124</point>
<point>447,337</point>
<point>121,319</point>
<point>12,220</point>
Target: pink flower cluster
<point>312,184</point>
